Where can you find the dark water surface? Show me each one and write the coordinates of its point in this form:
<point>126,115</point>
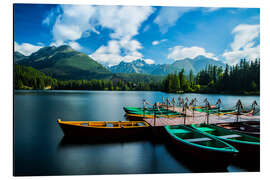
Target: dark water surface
<point>40,149</point>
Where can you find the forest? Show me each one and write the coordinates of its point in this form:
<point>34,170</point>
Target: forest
<point>26,77</point>
<point>242,78</point>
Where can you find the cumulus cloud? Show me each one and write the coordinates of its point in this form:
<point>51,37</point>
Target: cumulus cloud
<point>116,51</point>
<point>77,21</point>
<point>149,61</point>
<point>26,48</point>
<point>125,21</point>
<point>155,43</point>
<point>168,16</point>
<point>158,42</point>
<point>181,52</point>
<point>75,45</point>
<point>243,45</point>
<point>210,9</point>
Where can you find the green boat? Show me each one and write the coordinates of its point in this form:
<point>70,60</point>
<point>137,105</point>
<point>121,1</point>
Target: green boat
<point>149,112</point>
<point>216,110</point>
<point>244,143</point>
<point>200,145</point>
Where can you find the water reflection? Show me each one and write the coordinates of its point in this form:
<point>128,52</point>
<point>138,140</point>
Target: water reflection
<point>40,149</point>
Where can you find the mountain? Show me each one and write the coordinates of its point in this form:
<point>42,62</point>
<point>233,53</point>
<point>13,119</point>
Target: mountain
<point>65,63</point>
<point>18,56</point>
<point>137,66</point>
<point>196,65</point>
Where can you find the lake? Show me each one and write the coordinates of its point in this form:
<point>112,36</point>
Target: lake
<point>40,149</point>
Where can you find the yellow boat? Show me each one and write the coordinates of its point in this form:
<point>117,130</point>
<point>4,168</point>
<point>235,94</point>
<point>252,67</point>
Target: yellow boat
<point>104,129</point>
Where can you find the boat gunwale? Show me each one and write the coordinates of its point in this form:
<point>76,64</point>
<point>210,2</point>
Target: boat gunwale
<point>230,140</point>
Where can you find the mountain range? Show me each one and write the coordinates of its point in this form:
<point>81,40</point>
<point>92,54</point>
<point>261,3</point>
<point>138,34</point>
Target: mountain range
<point>140,66</point>
<point>65,63</point>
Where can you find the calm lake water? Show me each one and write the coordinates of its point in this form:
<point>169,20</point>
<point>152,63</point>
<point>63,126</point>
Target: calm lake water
<point>40,149</point>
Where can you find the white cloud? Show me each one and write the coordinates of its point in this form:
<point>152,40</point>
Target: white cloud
<point>244,34</point>
<point>117,51</point>
<point>75,45</point>
<point>210,9</point>
<point>125,21</point>
<point>72,22</point>
<point>158,42</point>
<point>169,15</point>
<point>149,61</point>
<point>181,52</point>
<point>26,48</point>
<point>243,45</point>
<point>155,43</point>
<point>77,21</point>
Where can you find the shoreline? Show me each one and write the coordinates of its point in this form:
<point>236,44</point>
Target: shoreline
<point>220,93</point>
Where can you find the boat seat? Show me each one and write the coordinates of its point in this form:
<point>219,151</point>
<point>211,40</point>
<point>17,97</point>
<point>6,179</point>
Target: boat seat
<point>109,125</point>
<point>204,129</point>
<point>179,131</point>
<point>140,124</point>
<point>198,139</point>
<point>230,136</point>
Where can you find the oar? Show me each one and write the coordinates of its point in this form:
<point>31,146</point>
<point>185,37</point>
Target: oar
<point>207,104</point>
<point>173,102</point>
<point>185,112</point>
<point>218,103</point>
<point>238,106</point>
<point>144,102</point>
<point>253,105</point>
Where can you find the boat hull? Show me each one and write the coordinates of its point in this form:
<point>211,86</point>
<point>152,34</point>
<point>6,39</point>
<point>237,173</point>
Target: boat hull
<point>246,149</point>
<point>243,127</point>
<point>104,133</point>
<point>203,154</point>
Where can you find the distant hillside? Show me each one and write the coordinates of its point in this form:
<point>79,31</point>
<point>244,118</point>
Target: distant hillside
<point>64,63</point>
<point>139,66</point>
<point>18,56</point>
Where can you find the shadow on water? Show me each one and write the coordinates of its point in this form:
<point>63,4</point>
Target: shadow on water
<point>248,162</point>
<point>67,142</point>
<point>194,164</point>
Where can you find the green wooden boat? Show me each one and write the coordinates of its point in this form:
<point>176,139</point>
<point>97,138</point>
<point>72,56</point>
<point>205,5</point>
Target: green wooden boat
<point>244,143</point>
<point>149,112</point>
<point>198,144</point>
<point>216,110</point>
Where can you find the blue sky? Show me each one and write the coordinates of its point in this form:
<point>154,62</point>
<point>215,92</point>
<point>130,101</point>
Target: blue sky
<point>111,34</point>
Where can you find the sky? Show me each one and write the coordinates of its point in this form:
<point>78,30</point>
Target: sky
<point>160,35</point>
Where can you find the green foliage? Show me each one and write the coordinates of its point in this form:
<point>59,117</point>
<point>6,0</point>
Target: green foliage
<point>241,78</point>
<point>30,78</point>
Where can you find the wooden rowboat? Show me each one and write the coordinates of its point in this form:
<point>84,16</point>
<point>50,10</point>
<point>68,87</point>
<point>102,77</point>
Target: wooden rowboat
<point>251,128</point>
<point>149,113</point>
<point>247,145</point>
<point>198,144</point>
<point>104,129</point>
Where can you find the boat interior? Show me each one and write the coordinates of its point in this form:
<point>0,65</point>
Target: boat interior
<point>197,138</point>
<point>222,133</point>
<point>110,124</point>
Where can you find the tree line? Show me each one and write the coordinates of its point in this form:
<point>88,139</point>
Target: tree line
<point>242,78</point>
<point>29,78</point>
